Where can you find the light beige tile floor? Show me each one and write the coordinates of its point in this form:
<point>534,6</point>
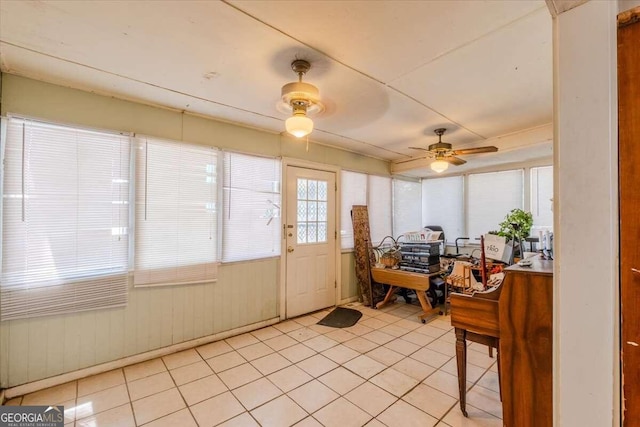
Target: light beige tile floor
<point>387,370</point>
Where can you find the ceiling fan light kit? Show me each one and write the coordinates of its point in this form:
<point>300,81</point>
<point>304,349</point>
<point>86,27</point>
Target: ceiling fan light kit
<point>301,99</point>
<point>299,124</point>
<point>439,166</point>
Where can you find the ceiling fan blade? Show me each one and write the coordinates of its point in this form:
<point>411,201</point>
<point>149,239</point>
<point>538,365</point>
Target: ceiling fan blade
<point>477,150</point>
<point>456,161</point>
<point>419,148</point>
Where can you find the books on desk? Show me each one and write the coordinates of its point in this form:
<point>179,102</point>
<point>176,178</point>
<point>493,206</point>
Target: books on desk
<point>423,236</point>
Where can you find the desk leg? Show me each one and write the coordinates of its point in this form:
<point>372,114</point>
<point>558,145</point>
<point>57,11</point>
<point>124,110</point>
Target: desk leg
<point>446,298</point>
<point>387,298</point>
<point>427,309</point>
<point>461,359</point>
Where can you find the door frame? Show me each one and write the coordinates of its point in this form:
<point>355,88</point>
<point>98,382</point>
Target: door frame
<point>286,162</point>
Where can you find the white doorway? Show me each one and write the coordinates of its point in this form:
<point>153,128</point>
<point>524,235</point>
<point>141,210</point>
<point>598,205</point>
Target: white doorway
<point>310,240</point>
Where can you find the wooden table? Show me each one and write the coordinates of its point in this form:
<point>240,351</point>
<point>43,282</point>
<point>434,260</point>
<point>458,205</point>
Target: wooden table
<point>419,282</point>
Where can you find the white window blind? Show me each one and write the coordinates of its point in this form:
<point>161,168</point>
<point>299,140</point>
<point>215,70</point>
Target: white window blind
<point>251,217</point>
<point>379,208</point>
<point>176,213</point>
<point>64,220</point>
<point>491,197</point>
<point>541,196</point>
<point>353,192</point>
<point>443,205</point>
<point>407,206</point>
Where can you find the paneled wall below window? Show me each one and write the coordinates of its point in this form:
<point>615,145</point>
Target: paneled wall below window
<point>41,347</point>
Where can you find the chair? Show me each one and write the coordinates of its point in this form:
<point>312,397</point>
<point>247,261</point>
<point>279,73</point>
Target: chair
<point>475,318</point>
<point>462,279</point>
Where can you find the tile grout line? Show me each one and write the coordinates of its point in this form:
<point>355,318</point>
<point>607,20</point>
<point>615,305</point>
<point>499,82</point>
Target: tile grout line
<point>133,414</point>
<point>337,342</point>
<point>179,393</point>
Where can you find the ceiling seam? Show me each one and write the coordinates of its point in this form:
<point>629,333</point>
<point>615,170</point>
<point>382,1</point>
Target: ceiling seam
<point>502,27</point>
<point>363,142</point>
<point>140,81</point>
<point>354,69</point>
<point>198,98</point>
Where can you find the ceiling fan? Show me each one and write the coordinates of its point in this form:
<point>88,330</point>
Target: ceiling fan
<point>444,153</point>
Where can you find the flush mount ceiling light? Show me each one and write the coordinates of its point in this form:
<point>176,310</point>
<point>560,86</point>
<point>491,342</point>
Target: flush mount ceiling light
<point>301,100</point>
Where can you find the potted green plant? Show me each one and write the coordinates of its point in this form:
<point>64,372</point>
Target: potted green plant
<point>517,224</point>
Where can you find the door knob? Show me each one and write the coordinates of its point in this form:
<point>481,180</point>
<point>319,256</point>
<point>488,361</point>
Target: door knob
<point>289,249</point>
<point>635,270</point>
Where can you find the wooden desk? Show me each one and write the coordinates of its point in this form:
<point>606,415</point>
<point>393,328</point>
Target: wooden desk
<point>526,345</point>
<point>517,318</point>
<point>405,279</point>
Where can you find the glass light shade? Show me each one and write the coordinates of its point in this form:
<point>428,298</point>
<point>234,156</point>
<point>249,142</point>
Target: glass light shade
<point>299,125</point>
<point>439,166</point>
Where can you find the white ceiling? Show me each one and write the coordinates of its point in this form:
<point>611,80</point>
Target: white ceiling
<point>389,72</point>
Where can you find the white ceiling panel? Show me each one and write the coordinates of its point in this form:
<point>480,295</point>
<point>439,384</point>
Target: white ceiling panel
<point>512,67</point>
<point>168,45</point>
<point>59,72</point>
<point>389,72</point>
<point>386,39</point>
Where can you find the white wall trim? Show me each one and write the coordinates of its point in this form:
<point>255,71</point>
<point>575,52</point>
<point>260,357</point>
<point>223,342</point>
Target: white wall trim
<point>31,387</point>
<point>347,300</point>
<point>586,380</point>
<point>288,161</point>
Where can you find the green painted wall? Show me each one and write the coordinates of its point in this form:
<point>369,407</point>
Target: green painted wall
<point>245,292</point>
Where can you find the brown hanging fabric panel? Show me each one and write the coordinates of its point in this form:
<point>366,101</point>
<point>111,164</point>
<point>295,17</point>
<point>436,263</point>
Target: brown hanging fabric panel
<point>371,291</point>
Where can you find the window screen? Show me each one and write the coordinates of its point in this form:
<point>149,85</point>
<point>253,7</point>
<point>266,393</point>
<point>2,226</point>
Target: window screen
<point>542,196</point>
<point>379,208</point>
<point>407,206</point>
<point>176,213</point>
<point>353,192</point>
<point>491,197</point>
<point>251,217</point>
<point>65,219</point>
<point>443,205</point>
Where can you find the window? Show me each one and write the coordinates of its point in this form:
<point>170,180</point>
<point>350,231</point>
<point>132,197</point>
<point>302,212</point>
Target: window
<point>491,197</point>
<point>311,211</point>
<point>353,192</point>
<point>373,191</point>
<point>443,205</point>
<point>542,196</point>
<point>251,215</point>
<point>176,213</point>
<point>407,206</point>
<point>379,190</point>
<point>65,219</point>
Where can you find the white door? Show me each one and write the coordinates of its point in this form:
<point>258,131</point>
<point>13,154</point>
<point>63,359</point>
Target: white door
<point>310,233</point>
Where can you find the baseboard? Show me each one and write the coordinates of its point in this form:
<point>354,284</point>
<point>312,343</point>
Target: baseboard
<point>27,388</point>
<point>348,300</point>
